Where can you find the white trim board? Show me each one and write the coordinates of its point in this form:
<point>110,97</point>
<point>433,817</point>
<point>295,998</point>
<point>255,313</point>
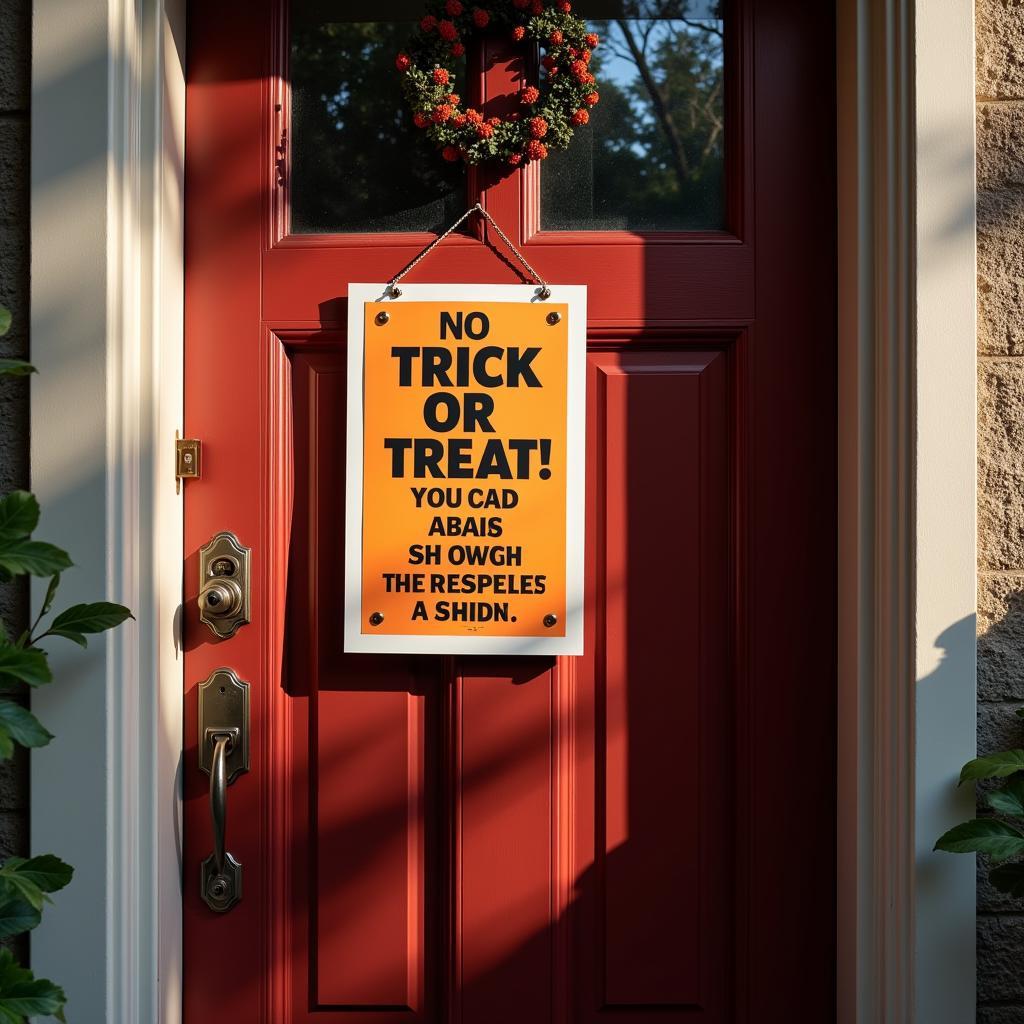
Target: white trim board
<point>106,327</point>
<point>907,689</point>
<point>107,144</point>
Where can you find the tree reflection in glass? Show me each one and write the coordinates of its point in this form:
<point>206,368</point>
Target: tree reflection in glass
<point>652,157</point>
<point>357,162</point>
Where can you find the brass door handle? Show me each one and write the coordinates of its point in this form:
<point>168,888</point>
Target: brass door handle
<point>222,874</point>
<point>223,743</point>
<point>224,753</point>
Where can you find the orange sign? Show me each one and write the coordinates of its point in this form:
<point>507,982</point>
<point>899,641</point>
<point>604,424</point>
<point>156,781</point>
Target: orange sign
<point>469,466</point>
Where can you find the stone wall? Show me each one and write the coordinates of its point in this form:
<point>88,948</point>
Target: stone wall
<point>1000,126</point>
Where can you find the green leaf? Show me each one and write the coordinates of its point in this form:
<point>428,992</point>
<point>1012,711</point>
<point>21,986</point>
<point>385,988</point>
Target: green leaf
<point>1008,878</point>
<point>1009,799</point>
<point>88,618</point>
<point>983,835</point>
<point>993,766</point>
<point>25,664</point>
<point>19,514</point>
<point>15,368</point>
<point>32,879</point>
<point>19,725</point>
<point>17,916</point>
<point>18,557</point>
<point>23,995</point>
<point>68,634</point>
<point>5,319</point>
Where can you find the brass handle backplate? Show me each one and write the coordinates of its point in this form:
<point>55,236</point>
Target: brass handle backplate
<point>224,583</point>
<point>224,755</point>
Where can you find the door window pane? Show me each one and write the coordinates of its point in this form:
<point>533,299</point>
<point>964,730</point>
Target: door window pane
<point>652,156</point>
<point>357,163</point>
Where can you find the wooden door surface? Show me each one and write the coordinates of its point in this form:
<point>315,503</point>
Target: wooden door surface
<point>641,834</point>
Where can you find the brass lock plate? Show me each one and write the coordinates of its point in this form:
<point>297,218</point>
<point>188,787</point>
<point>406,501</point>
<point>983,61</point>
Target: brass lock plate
<point>224,709</point>
<point>188,459</point>
<point>224,584</point>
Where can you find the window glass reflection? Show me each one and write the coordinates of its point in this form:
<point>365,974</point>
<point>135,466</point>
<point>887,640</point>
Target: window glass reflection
<point>357,164</point>
<point>652,157</point>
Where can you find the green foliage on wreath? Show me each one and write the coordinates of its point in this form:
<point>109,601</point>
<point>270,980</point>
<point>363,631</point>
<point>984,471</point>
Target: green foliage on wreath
<point>550,112</point>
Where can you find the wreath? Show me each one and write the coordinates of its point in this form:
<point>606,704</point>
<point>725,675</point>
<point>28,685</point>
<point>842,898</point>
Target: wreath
<point>549,113</point>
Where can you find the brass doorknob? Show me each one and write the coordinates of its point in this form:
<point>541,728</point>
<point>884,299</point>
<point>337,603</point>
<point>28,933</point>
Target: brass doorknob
<point>220,598</point>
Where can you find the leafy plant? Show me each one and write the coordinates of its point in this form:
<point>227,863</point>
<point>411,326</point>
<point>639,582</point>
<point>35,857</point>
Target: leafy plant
<point>999,839</point>
<point>26,884</point>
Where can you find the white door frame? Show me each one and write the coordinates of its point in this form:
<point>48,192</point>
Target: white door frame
<point>106,329</point>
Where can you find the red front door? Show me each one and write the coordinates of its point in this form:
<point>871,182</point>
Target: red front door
<point>644,833</point>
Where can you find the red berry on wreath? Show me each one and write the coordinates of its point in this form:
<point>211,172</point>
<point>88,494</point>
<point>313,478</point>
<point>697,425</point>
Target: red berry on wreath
<point>442,112</point>
<point>549,62</point>
<point>580,117</point>
<point>591,99</point>
<point>453,98</point>
<point>450,153</point>
<point>480,17</point>
<point>564,6</point>
<point>420,120</point>
<point>484,131</point>
<point>474,115</point>
<point>515,159</point>
<point>518,32</point>
<point>529,95</point>
<point>538,127</point>
<point>587,79</point>
<point>447,31</point>
<point>402,62</point>
<point>592,40</point>
<point>556,37</point>
<point>585,56</point>
<point>459,120</point>
<point>440,76</point>
<point>578,68</point>
<point>536,150</point>
<point>495,121</point>
<point>458,50</point>
<point>428,23</point>
<point>454,8</point>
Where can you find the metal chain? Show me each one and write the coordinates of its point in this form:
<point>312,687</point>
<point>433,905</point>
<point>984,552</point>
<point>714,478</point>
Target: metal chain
<point>545,291</point>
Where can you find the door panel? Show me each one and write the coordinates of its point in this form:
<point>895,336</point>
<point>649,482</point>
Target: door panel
<point>653,709</point>
<point>633,835</point>
<point>364,870</point>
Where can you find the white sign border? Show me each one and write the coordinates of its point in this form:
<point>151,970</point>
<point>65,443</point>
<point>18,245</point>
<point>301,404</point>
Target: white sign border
<point>357,642</point>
